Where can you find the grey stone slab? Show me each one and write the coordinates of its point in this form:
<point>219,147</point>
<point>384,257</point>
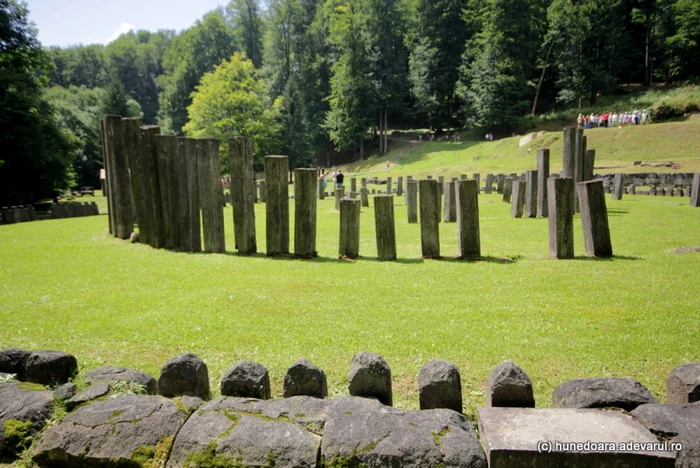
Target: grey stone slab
<point>572,438</point>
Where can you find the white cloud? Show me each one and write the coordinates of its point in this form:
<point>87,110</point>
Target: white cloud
<point>123,28</point>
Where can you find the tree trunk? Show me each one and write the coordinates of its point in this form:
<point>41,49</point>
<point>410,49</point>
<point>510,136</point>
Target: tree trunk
<point>539,83</point>
<point>386,125</point>
<point>362,149</point>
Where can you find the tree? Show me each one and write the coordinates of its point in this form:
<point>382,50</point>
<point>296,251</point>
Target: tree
<point>78,66</point>
<point>684,43</point>
<point>231,101</point>
<point>36,153</point>
<point>436,47</point>
<point>244,16</point>
<point>350,114</point>
<point>192,54</point>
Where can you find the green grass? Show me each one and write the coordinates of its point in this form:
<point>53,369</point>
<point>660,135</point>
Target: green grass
<point>68,285</point>
<point>616,151</point>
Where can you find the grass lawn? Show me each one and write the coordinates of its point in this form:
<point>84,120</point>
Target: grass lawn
<point>616,151</point>
<point>68,285</point>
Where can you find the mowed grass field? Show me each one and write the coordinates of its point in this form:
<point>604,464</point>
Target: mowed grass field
<point>67,285</point>
<point>616,151</point>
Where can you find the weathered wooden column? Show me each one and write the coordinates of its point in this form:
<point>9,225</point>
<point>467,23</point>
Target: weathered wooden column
<point>385,227</point>
<point>119,177</point>
<point>561,217</point>
<point>363,182</point>
<point>262,187</point>
<point>695,191</point>
<point>507,189</point>
<point>468,219</point>
<point>617,187</point>
<point>153,233</point>
<point>489,183</point>
<point>399,186</point>
<point>412,201</point>
<point>364,198</point>
<point>132,145</point>
<point>184,218</point>
<point>166,148</point>
<point>353,184</point>
<point>500,180</point>
<point>429,218</point>
<point>588,165</point>
<point>193,148</point>
<point>389,189</point>
<point>542,176</point>
<point>477,177</point>
<point>277,208</point>
<point>211,195</point>
<point>569,150</point>
<point>339,195</point>
<point>531,194</point>
<point>305,208</point>
<point>240,150</point>
<point>518,198</point>
<point>321,190</point>
<point>349,245</point>
<point>106,158</point>
<point>441,189</point>
<point>450,204</point>
<point>594,218</point>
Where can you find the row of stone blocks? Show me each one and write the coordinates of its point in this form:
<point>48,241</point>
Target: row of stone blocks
<point>307,430</point>
<point>17,214</point>
<point>74,210</point>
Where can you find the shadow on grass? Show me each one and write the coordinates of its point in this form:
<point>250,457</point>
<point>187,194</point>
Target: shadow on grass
<point>617,212</point>
<point>607,259</point>
<point>404,261</point>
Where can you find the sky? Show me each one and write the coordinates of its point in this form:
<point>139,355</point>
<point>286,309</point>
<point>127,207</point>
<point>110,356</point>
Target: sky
<point>70,22</point>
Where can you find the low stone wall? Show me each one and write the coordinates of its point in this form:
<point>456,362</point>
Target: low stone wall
<point>23,214</point>
<point>125,417</point>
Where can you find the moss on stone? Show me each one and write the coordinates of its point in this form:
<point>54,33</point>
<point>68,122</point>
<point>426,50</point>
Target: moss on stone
<point>17,434</point>
<point>143,454</point>
<point>208,458</point>
<point>271,459</point>
<point>439,435</point>
<point>115,414</point>
<point>182,408</point>
<point>153,457</point>
<point>349,461</point>
<point>31,386</point>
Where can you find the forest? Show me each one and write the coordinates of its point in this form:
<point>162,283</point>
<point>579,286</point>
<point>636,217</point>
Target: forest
<point>309,77</point>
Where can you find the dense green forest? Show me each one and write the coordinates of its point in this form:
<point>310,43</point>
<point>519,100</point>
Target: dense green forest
<point>307,77</point>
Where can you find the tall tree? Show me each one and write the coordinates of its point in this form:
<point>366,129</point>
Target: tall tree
<point>36,153</point>
<point>193,53</point>
<point>436,48</point>
<point>231,101</point>
<point>248,28</point>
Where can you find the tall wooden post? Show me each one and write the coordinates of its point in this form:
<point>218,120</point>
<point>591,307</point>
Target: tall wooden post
<point>429,218</point>
<point>243,193</point>
<point>542,177</point>
<point>468,219</point>
<point>561,217</point>
<point>277,207</point>
<point>594,218</point>
<point>412,201</point>
<point>349,244</point>
<point>385,227</point>
<point>531,194</point>
<point>305,208</point>
<point>211,196</point>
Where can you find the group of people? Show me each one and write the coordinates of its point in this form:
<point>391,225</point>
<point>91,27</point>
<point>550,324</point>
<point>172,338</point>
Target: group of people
<point>338,178</point>
<point>623,119</point>
<point>489,136</point>
<point>445,137</point>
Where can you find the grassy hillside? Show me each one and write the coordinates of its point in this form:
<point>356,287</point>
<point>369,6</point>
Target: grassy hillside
<point>616,151</point>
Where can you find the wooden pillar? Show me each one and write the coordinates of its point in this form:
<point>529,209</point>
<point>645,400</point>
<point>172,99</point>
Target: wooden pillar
<point>561,217</point>
<point>321,190</point>
<point>507,189</point>
<point>542,176</point>
<point>441,189</point>
<point>139,179</point>
<point>477,177</point>
<point>429,218</point>
<point>450,204</point>
<point>349,245</point>
<point>106,157</point>
<point>531,194</point>
<point>184,219</point>
<point>518,198</point>
<point>120,180</point>
<point>262,187</point>
<point>399,186</point>
<point>594,218</point>
<point>166,147</point>
<point>211,196</point>
<point>500,179</point>
<point>588,165</point>
<point>152,234</point>
<point>695,191</point>
<point>489,183</point>
<point>339,195</point>
<point>243,194</point>
<point>353,184</point>
<point>277,208</point>
<point>194,147</point>
<point>305,208</point>
<point>569,152</point>
<point>617,187</point>
<point>385,227</point>
<point>412,201</point>
<point>389,190</point>
<point>468,218</point>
